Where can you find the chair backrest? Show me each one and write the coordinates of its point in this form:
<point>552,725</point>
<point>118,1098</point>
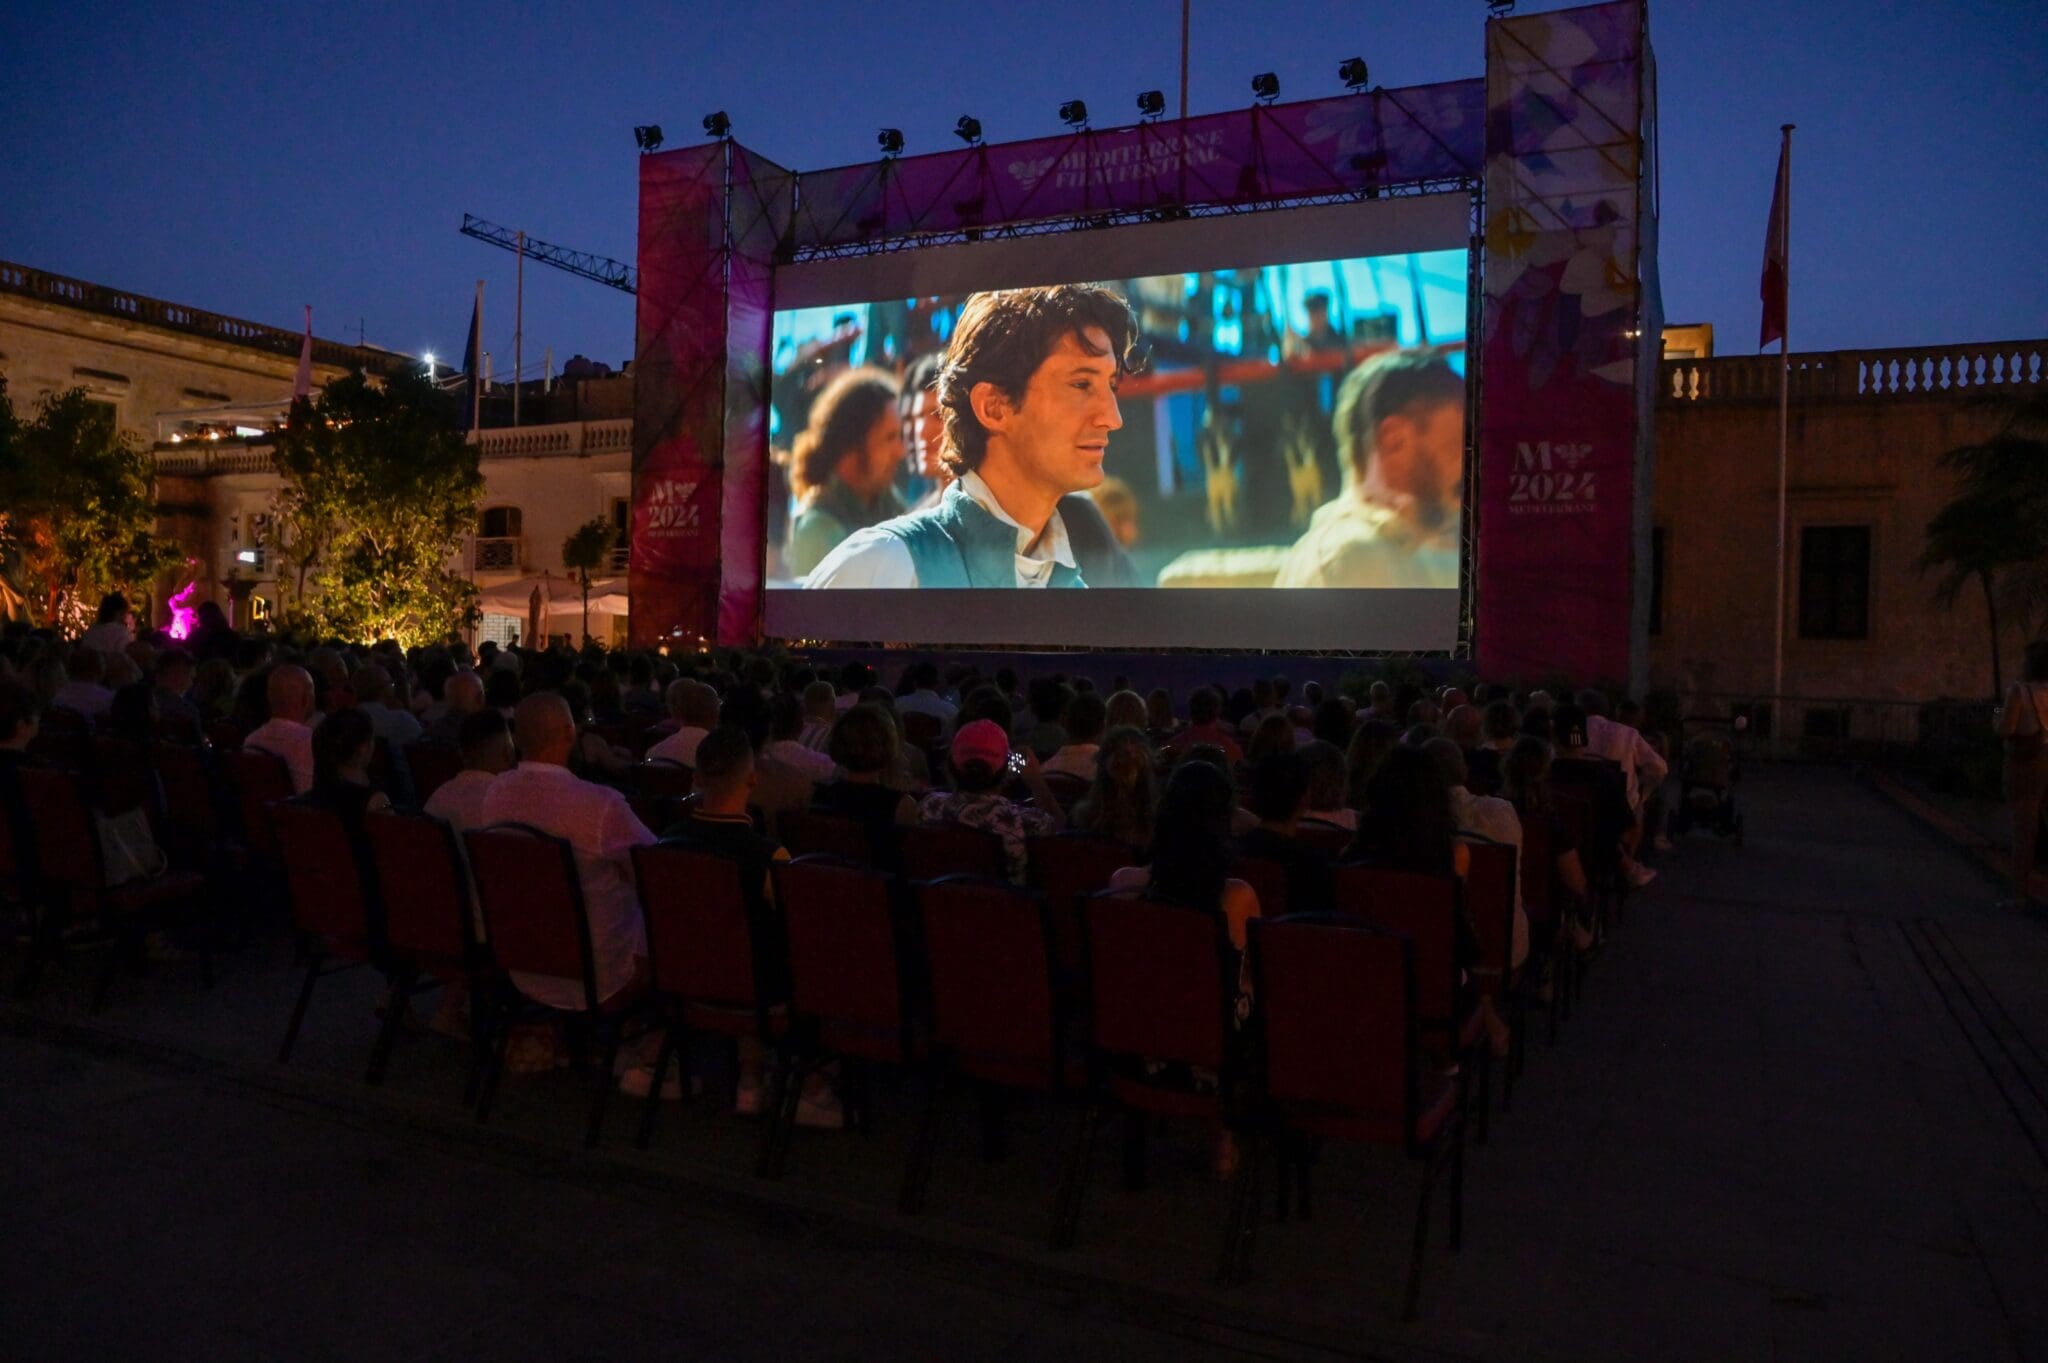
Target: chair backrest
<point>189,809</point>
<point>806,832</point>
<point>123,776</point>
<point>1066,786</point>
<point>1327,838</point>
<point>67,844</point>
<point>921,729</point>
<point>1490,896</point>
<point>1268,880</point>
<point>424,884</point>
<point>1159,982</point>
<point>1067,868</point>
<point>62,746</point>
<point>433,765</point>
<point>322,876</point>
<point>223,735</point>
<point>1425,909</point>
<point>1538,867</point>
<point>700,937</point>
<point>661,779</point>
<point>1575,811</point>
<point>532,902</point>
<point>1337,1014</point>
<point>844,967</point>
<point>993,1013</point>
<point>931,851</point>
<point>258,780</point>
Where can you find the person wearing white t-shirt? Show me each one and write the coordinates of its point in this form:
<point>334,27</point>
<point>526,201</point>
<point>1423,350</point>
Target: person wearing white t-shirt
<point>288,734</point>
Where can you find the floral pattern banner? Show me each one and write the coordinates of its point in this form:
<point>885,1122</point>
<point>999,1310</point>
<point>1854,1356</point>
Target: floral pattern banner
<point>1568,282</point>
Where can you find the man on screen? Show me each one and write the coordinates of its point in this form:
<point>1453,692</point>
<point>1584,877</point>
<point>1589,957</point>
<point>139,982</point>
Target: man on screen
<point>1028,394</point>
<point>1400,422</point>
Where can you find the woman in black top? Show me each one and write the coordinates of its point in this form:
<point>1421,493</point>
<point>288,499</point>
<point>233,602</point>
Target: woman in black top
<point>1407,825</point>
<point>342,747</point>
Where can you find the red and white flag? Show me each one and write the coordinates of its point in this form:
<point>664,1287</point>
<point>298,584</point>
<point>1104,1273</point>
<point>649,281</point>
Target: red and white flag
<point>1777,251</point>
<point>302,385</point>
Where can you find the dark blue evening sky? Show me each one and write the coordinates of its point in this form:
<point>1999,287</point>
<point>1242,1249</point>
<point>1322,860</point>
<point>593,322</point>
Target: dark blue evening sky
<point>249,158</point>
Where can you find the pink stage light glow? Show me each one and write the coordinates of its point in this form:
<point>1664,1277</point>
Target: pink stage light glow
<point>183,617</point>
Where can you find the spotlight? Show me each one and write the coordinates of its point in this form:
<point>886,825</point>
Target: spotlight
<point>968,130</point>
<point>717,125</point>
<point>1500,9</point>
<point>647,136</point>
<point>891,141</point>
<point>1352,73</point>
<point>1266,87</point>
<point>1151,104</point>
<point>1074,114</point>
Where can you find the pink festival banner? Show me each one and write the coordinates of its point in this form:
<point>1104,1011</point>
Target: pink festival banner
<point>1566,306</point>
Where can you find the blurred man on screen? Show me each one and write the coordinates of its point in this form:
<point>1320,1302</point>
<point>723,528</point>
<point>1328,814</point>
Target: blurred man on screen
<point>1401,442</point>
<point>1028,396</point>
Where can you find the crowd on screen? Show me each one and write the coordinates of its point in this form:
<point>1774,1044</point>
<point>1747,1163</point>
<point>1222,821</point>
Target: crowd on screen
<point>1203,788</point>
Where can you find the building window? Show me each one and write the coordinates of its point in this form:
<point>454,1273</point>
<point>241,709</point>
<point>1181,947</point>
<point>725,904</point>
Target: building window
<point>1656,579</point>
<point>1834,582</point>
<point>499,522</point>
<point>622,534</point>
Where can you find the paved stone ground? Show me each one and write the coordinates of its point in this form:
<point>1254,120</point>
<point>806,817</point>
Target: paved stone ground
<point>1799,1116</point>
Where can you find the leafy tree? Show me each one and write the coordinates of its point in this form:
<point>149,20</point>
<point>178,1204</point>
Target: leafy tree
<point>1993,530</point>
<point>77,507</point>
<point>379,489</point>
<point>584,552</point>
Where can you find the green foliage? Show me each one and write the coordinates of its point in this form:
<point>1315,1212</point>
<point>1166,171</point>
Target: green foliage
<point>379,490</point>
<point>584,553</point>
<point>77,510</point>
<point>1993,531</point>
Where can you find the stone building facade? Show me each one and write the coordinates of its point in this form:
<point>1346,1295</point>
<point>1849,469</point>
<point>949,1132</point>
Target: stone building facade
<point>1864,641</point>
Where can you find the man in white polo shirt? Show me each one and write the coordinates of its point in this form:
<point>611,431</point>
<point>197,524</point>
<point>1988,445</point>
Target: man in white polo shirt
<point>287,733</point>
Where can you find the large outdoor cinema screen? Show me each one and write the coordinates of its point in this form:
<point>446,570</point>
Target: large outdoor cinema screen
<point>1237,432</point>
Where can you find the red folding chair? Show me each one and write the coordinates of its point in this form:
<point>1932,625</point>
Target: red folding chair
<point>123,777</point>
<point>935,850</point>
<point>432,765</point>
<point>258,781</point>
<point>808,833</point>
<point>1268,880</point>
<point>1490,896</point>
<point>660,779</point>
<point>1340,1060</point>
<point>1543,902</point>
<point>714,965</point>
<point>1066,868</point>
<point>74,885</point>
<point>430,917</point>
<point>1162,988</point>
<point>849,980</point>
<point>191,828</point>
<point>334,909</point>
<point>537,924</point>
<point>1328,838</point>
<point>996,1021</point>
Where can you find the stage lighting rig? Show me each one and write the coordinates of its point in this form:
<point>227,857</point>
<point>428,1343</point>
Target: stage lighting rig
<point>891,141</point>
<point>1352,73</point>
<point>647,136</point>
<point>968,130</point>
<point>1152,104</point>
<point>717,125</point>
<point>1499,9</point>
<point>1074,113</point>
<point>1266,87</point>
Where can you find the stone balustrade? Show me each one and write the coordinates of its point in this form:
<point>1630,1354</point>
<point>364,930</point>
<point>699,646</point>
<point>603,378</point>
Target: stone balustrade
<point>569,439</point>
<point>1859,375</point>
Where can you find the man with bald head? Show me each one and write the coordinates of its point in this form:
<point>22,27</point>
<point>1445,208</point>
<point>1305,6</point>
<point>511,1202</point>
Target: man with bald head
<point>287,733</point>
<point>595,820</point>
<point>461,697</point>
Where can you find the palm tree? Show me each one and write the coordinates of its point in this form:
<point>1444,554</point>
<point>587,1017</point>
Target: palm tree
<point>584,552</point>
<point>1994,530</point>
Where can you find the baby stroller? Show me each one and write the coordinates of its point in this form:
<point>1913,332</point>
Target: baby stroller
<point>1707,775</point>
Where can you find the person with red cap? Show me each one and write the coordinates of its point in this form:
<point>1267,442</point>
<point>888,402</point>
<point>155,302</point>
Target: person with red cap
<point>982,764</point>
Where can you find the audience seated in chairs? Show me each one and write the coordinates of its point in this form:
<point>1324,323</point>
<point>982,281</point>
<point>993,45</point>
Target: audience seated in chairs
<point>785,739</point>
<point>1485,817</point>
<point>486,746</point>
<point>1190,858</point>
<point>1085,717</point>
<point>84,691</point>
<point>542,793</point>
<point>462,695</point>
<point>863,749</point>
<point>980,762</point>
<point>693,707</point>
<point>1328,813</point>
<point>287,734</point>
<point>1279,799</point>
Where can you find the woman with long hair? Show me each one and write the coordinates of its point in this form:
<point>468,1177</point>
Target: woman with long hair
<point>1120,801</point>
<point>842,466</point>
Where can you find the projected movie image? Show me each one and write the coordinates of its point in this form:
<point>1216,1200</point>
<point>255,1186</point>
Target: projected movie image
<point>1297,426</point>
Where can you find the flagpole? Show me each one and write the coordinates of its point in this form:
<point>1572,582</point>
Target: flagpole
<point>476,385</point>
<point>518,324</point>
<point>1784,410</point>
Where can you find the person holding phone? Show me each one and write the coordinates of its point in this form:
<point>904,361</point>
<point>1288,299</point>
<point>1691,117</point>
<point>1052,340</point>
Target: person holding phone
<point>983,763</point>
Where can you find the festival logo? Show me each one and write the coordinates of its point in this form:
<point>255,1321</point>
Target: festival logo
<point>1550,479</point>
<point>670,510</point>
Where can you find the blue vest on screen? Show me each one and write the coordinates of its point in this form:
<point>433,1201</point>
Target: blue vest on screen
<point>958,544</point>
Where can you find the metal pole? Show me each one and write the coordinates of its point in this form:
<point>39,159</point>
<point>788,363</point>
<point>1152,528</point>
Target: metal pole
<point>1784,408</point>
<point>1184,60</point>
<point>518,324</point>
<point>476,380</point>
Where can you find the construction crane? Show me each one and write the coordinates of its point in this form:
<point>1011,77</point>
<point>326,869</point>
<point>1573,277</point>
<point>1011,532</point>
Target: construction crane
<point>602,269</point>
